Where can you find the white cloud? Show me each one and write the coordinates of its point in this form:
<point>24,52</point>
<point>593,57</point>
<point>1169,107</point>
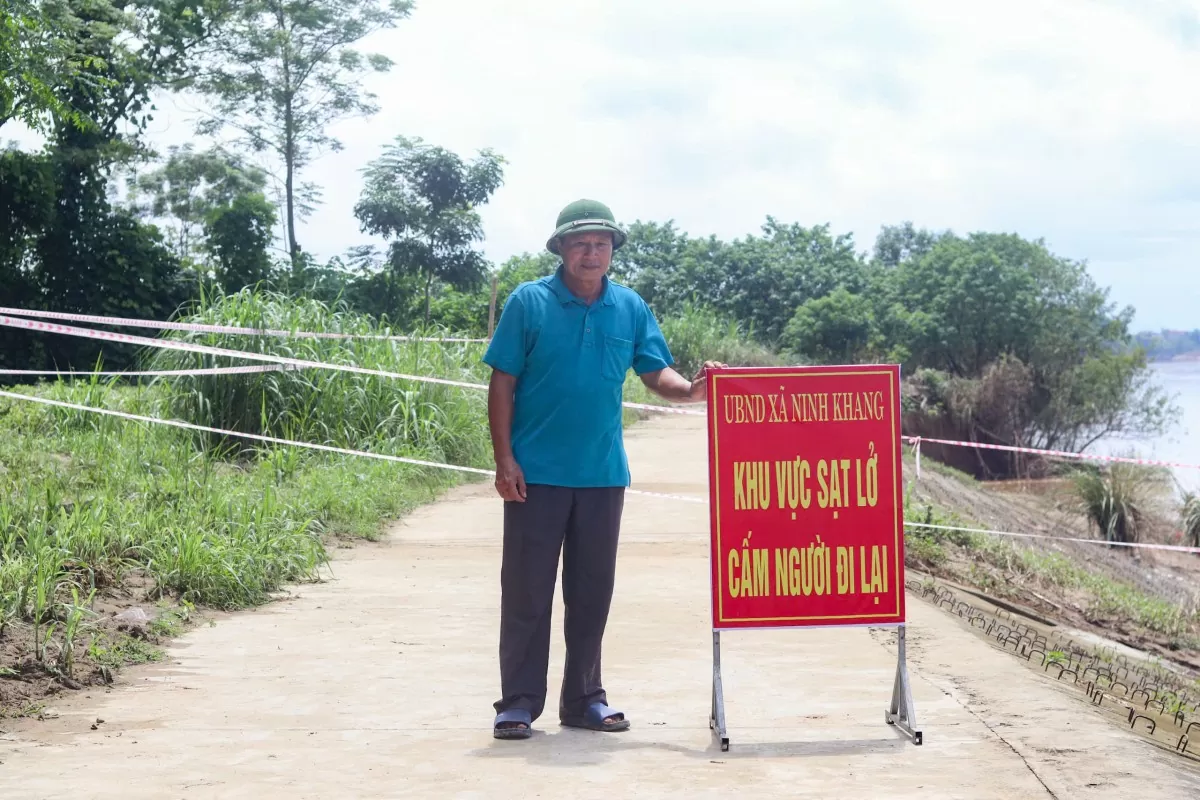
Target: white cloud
<point>1074,121</point>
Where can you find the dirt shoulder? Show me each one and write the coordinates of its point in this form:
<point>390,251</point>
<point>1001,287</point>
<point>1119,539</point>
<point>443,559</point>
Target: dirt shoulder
<point>1141,598</point>
<point>379,682</point>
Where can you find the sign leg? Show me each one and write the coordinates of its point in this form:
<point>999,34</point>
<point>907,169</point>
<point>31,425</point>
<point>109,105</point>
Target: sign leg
<point>716,720</point>
<point>901,712</point>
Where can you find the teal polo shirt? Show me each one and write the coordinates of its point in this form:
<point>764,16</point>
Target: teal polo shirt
<point>570,361</point>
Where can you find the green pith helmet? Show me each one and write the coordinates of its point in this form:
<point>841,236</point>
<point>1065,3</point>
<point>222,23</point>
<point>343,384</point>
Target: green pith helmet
<point>585,215</point>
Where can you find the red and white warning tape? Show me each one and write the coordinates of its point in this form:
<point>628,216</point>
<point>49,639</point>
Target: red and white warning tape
<point>151,373</point>
<point>226,329</point>
<point>291,443</point>
<point>188,347</point>
<point>1143,545</point>
<point>478,471</point>
<point>917,440</point>
<point>667,409</point>
<point>171,344</point>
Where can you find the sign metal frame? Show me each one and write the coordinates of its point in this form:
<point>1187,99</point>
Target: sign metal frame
<point>900,712</point>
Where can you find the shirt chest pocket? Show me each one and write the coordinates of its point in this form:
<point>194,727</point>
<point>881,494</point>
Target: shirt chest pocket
<point>616,359</point>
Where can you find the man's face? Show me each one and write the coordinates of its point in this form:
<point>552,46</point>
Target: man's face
<point>586,255</point>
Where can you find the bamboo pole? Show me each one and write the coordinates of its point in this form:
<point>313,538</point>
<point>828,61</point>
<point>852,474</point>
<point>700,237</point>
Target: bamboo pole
<point>492,308</point>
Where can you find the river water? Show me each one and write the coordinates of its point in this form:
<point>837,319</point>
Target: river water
<point>1181,379</point>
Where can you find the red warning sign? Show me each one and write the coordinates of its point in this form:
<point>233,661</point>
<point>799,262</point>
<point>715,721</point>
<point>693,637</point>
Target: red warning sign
<point>805,496</point>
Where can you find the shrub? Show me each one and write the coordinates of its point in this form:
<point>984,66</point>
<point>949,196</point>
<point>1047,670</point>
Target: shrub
<point>1115,499</point>
<point>339,408</point>
<point>697,335</point>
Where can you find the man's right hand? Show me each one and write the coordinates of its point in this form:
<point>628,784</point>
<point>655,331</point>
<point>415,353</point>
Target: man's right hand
<point>510,481</point>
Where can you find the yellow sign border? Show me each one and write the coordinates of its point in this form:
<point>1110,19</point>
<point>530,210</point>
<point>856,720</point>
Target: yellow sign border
<point>896,522</point>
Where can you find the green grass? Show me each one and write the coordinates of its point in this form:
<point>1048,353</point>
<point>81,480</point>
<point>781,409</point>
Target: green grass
<point>926,546</point>
<point>1189,515</point>
<point>90,502</point>
<point>933,465</point>
<point>1106,597</point>
<point>344,409</point>
<point>696,335</point>
<point>121,650</point>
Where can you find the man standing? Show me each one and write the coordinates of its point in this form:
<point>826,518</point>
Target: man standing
<point>559,356</point>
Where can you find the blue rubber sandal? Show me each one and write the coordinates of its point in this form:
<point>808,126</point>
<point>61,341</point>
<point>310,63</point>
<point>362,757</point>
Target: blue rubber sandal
<point>594,719</point>
<point>519,715</point>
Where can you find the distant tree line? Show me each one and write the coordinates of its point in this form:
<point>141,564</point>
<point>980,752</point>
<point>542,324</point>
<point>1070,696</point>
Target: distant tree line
<point>1000,340</point>
<point>1166,345</point>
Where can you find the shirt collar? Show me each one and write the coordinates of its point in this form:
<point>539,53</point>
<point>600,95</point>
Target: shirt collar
<point>565,296</point>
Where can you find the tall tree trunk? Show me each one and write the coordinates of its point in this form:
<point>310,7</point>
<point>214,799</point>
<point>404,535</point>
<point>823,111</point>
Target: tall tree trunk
<point>428,286</point>
<point>290,188</point>
<point>289,145</point>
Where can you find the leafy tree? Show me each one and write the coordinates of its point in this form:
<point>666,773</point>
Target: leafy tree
<point>68,248</point>
<point>284,71</point>
<point>758,281</point>
<point>190,186</point>
<point>238,237</point>
<point>424,199</point>
<point>65,248</point>
<point>652,250</point>
<point>26,207</point>
<point>465,312</point>
<point>992,299</point>
<point>520,269</point>
<point>899,244</point>
<point>1104,394</point>
<point>983,296</point>
<point>788,266</point>
<point>838,328</point>
<point>37,54</point>
<point>114,54</point>
<point>675,272</point>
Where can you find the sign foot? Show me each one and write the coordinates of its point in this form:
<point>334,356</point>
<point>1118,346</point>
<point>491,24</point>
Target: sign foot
<point>716,719</point>
<point>901,712</point>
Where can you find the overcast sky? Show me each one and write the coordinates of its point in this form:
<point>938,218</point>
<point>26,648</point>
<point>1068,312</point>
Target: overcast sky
<point>1073,121</point>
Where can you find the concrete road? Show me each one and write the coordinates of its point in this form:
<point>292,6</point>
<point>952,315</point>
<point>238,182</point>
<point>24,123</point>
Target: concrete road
<point>379,683</point>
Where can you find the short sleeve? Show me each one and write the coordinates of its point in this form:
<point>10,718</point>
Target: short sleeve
<point>506,351</point>
<point>650,351</point>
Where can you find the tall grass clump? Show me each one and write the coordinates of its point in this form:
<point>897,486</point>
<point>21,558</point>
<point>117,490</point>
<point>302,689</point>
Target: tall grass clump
<point>1190,517</point>
<point>82,506</point>
<point>1115,499</point>
<point>344,409</point>
<point>696,335</point>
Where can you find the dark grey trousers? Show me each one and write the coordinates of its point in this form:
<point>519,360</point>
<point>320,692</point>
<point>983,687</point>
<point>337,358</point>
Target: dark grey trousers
<point>584,524</point>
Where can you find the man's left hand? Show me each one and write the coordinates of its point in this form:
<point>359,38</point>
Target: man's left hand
<point>699,390</point>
